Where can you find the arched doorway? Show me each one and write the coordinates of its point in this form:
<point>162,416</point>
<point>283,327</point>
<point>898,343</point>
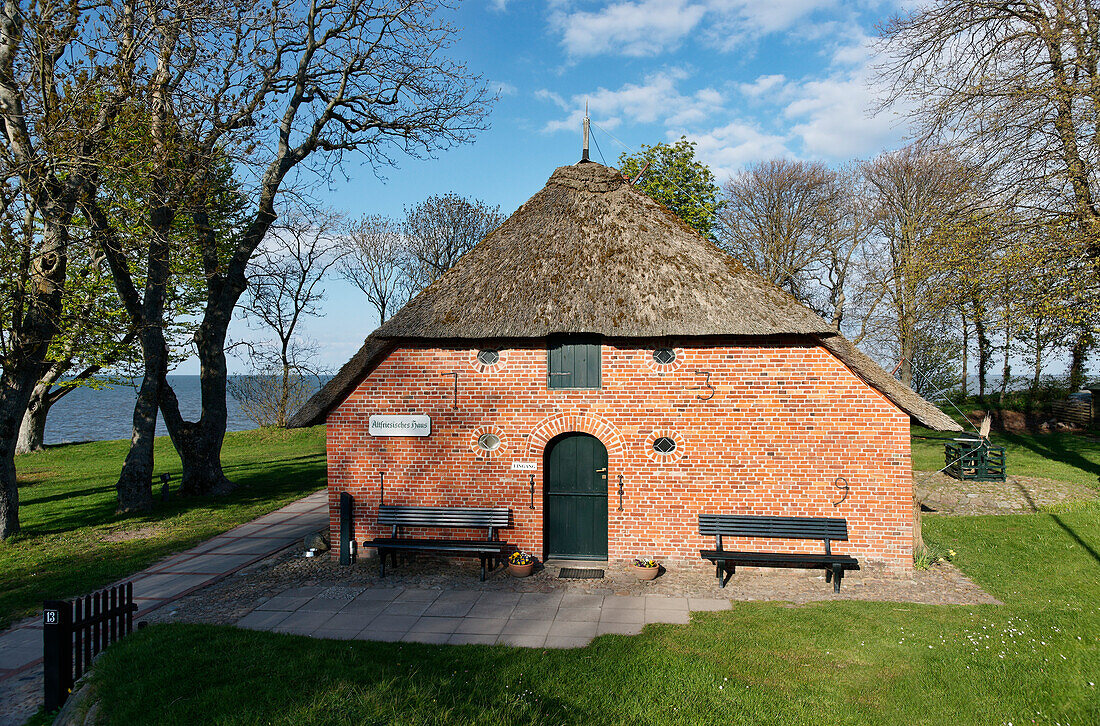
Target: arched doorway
<point>575,513</point>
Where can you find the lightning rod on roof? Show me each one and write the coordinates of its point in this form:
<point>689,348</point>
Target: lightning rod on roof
<point>584,151</point>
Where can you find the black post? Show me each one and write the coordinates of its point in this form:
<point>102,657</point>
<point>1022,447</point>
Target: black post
<point>57,652</point>
<point>345,529</point>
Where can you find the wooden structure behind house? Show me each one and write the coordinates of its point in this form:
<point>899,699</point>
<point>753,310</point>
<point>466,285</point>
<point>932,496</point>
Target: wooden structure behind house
<point>599,342</point>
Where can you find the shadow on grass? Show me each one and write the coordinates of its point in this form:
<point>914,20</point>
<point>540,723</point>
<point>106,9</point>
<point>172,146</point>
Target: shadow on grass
<point>1053,446</point>
<point>1076,538</point>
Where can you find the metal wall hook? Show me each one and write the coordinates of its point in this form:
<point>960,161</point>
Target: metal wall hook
<point>620,492</point>
<point>532,491</point>
<point>845,488</point>
<point>381,488</point>
<point>706,386</point>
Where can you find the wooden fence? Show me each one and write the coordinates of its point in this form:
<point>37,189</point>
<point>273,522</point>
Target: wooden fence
<point>75,631</point>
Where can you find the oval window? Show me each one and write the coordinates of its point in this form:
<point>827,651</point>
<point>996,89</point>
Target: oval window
<point>488,442</point>
<point>664,445</point>
<point>664,356</point>
<point>488,357</point>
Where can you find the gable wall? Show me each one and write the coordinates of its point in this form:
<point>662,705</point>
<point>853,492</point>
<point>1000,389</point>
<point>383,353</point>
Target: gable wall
<point>785,421</point>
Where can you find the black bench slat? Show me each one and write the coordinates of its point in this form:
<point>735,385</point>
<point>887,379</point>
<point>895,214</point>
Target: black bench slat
<point>826,529</point>
<point>390,515</point>
<point>398,517</point>
<point>743,525</point>
<point>747,557</point>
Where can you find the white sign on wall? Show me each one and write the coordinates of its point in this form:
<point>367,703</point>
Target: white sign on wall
<point>524,466</point>
<point>400,425</point>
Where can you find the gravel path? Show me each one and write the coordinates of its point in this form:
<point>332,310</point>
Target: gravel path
<point>940,494</point>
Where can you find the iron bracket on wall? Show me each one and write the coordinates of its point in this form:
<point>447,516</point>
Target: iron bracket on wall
<point>455,374</point>
<point>532,491</point>
<point>620,492</point>
<point>845,488</point>
<point>706,386</point>
<point>381,488</point>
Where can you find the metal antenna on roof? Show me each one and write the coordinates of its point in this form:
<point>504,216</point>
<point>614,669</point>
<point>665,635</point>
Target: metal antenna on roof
<point>584,152</point>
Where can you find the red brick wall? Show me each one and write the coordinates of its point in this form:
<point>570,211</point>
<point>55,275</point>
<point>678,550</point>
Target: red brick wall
<point>785,421</point>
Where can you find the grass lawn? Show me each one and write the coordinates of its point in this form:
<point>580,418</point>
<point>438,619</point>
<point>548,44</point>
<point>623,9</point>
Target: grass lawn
<point>1064,457</point>
<point>72,541</point>
<point>1034,659</point>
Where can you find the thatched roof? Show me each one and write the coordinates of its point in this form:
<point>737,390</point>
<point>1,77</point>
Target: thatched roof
<point>591,254</point>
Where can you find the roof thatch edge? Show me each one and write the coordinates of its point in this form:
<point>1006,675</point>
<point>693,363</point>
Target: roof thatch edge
<point>921,410</point>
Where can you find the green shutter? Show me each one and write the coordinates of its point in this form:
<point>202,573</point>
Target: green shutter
<point>574,362</point>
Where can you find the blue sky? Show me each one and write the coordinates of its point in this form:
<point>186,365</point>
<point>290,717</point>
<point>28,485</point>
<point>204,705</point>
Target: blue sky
<point>745,79</point>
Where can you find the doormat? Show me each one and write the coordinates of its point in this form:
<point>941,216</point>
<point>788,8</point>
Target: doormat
<point>579,573</point>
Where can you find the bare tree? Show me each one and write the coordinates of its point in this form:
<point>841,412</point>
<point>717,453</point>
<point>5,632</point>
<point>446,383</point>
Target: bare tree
<point>440,230</point>
<point>1017,85</point>
<point>288,87</point>
<point>376,263</point>
<point>54,112</point>
<point>284,287</point>
<point>776,219</point>
<point>916,194</point>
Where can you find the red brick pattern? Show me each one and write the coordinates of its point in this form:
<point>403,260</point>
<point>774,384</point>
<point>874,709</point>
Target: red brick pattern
<point>786,419</point>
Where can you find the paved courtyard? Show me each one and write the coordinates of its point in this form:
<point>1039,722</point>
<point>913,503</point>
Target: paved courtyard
<point>462,617</point>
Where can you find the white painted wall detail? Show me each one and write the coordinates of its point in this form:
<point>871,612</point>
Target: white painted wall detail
<point>400,425</point>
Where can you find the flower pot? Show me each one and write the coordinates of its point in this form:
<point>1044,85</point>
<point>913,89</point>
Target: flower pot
<point>645,573</point>
<point>520,570</point>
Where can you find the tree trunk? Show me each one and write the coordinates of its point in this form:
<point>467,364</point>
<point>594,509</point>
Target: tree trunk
<point>199,443</point>
<point>1006,372</point>
<point>1078,358</point>
<point>32,431</point>
<point>964,386</point>
<point>1037,371</point>
<point>984,348</point>
<point>29,346</point>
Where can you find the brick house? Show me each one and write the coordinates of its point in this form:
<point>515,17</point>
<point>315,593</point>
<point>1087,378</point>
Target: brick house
<point>594,344</point>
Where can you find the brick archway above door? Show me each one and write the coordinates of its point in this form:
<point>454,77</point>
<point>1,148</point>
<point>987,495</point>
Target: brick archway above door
<point>586,423</point>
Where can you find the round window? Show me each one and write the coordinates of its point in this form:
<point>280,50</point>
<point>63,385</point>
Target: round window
<point>664,445</point>
<point>488,357</point>
<point>664,356</point>
<point>488,442</point>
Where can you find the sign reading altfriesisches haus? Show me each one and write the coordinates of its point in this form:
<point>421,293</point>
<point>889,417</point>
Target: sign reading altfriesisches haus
<point>400,425</point>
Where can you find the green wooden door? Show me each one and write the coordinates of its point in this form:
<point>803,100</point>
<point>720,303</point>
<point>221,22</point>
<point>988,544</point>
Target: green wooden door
<point>576,498</point>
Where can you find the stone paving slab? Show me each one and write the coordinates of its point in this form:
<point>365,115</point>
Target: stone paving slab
<point>466,617</point>
<point>163,583</point>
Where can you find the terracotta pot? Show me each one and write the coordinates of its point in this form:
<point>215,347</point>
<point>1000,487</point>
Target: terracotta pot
<point>646,573</point>
<point>520,570</point>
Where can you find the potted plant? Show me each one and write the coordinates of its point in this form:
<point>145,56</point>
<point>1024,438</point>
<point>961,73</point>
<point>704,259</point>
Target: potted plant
<point>645,569</point>
<point>520,564</point>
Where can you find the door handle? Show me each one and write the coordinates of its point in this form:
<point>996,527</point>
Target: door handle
<point>599,470</point>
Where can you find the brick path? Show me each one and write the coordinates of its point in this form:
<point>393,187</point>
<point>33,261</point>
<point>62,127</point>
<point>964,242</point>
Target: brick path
<point>158,585</point>
<point>463,617</point>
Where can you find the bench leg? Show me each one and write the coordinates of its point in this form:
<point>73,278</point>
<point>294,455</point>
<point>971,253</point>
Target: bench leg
<point>723,571</point>
<point>838,572</point>
<point>483,569</point>
<point>382,563</point>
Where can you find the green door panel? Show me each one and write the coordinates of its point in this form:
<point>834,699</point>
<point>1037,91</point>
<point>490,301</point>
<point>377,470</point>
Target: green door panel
<point>576,498</point>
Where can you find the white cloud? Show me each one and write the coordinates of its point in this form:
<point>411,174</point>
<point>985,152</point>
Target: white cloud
<point>836,116</point>
<point>650,27</point>
<point>728,148</point>
<point>656,100</point>
<point>503,88</point>
<point>771,85</point>
<point>643,28</point>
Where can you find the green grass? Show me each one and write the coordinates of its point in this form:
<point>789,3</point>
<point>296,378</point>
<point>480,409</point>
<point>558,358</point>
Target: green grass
<point>67,509</point>
<point>1064,457</point>
<point>1030,660</point>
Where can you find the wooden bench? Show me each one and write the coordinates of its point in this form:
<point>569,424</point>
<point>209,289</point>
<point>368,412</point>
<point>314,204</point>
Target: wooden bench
<point>742,525</point>
<point>489,550</point>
